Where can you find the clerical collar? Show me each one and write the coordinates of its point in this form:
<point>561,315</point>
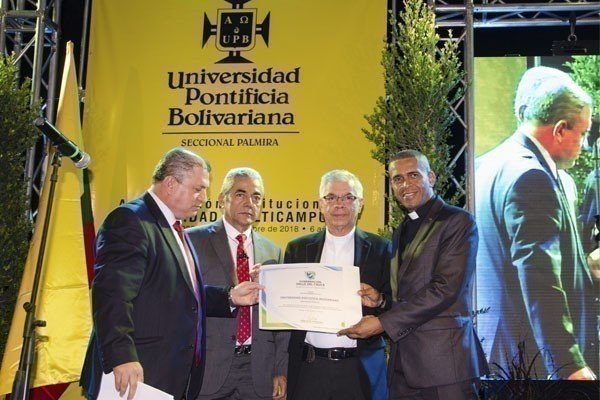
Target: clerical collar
<point>422,210</point>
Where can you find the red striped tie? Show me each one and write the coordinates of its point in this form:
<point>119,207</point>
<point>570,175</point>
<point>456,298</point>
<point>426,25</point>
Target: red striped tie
<point>244,324</point>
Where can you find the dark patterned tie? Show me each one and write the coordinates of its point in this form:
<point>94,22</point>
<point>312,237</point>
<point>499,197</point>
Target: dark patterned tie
<point>194,277</point>
<point>244,324</point>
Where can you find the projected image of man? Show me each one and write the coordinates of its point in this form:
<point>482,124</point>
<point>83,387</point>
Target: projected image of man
<point>532,271</point>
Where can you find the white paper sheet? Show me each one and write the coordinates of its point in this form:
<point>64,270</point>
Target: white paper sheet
<point>143,392</point>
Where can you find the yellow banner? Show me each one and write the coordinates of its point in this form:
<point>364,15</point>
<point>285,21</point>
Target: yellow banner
<point>279,86</point>
<point>63,300</point>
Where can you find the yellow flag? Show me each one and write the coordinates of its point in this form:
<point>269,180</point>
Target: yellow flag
<point>63,300</point>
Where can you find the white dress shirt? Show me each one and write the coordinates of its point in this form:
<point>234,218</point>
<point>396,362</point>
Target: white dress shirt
<point>337,250</point>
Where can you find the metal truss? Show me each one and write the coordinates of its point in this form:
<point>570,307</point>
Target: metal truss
<point>502,14</point>
<point>29,31</point>
<point>457,21</point>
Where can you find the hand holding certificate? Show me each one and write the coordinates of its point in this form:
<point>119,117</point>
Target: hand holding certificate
<point>311,297</point>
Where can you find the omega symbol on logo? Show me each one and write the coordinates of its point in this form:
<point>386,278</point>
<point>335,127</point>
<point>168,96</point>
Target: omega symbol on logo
<point>235,31</point>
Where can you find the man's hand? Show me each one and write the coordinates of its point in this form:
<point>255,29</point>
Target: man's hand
<point>369,296</point>
<point>583,374</point>
<point>245,293</point>
<point>128,374</point>
<point>368,326</point>
<point>279,387</point>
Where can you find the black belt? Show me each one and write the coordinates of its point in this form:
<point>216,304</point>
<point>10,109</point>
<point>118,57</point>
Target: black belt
<point>334,353</point>
<point>243,349</point>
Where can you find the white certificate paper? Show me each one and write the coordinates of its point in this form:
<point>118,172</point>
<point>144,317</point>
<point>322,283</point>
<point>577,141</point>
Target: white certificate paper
<point>311,297</point>
<point>143,392</point>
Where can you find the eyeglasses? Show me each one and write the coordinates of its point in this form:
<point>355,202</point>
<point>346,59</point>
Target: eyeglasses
<point>346,198</point>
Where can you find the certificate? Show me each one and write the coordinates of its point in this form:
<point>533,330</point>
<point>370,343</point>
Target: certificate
<point>311,297</point>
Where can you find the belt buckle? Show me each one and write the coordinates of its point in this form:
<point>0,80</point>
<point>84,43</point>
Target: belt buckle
<point>243,349</point>
<point>330,354</point>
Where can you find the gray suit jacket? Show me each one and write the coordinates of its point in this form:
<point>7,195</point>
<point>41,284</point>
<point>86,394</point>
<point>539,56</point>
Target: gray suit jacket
<point>269,355</point>
<point>430,324</point>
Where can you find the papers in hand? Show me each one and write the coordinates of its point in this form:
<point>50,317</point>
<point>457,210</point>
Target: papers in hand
<point>143,392</point>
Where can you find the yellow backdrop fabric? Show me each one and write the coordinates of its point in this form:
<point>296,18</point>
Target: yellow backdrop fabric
<point>63,300</point>
<point>166,74</point>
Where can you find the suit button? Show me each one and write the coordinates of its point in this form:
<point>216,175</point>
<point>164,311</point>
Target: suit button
<point>194,308</point>
<point>190,346</point>
<point>233,338</point>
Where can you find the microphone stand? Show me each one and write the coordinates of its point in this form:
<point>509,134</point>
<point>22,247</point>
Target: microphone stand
<point>22,382</point>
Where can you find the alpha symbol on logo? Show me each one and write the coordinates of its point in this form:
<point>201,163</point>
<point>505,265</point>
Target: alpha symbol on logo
<point>236,30</point>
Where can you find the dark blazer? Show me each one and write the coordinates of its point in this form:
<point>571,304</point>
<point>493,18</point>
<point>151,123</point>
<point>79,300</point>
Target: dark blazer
<point>143,303</point>
<point>532,271</point>
<point>372,256</point>
<point>433,339</point>
<point>269,355</point>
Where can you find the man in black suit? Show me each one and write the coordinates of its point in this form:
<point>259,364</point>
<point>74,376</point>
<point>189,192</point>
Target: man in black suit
<point>532,271</point>
<point>323,366</point>
<point>248,365</point>
<point>435,352</point>
<point>148,299</point>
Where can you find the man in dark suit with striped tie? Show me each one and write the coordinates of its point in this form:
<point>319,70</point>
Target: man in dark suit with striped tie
<point>148,299</point>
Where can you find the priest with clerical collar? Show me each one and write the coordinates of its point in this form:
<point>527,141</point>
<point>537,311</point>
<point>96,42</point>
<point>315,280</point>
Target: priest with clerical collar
<point>435,353</point>
<point>324,366</point>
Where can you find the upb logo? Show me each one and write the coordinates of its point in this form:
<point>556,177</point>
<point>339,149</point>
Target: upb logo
<point>235,31</point>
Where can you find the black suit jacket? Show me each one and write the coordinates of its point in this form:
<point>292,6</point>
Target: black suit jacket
<point>532,271</point>
<point>372,256</point>
<point>269,355</point>
<point>144,307</point>
<point>433,339</point>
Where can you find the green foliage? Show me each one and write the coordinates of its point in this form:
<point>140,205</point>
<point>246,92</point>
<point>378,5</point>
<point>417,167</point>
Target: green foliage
<point>421,80</point>
<point>585,73</point>
<point>18,134</point>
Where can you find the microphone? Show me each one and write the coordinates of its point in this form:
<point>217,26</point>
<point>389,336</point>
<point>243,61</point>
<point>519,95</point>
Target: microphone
<point>64,146</point>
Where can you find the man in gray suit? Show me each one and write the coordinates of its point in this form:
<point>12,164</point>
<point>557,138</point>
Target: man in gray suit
<point>242,362</point>
<point>435,352</point>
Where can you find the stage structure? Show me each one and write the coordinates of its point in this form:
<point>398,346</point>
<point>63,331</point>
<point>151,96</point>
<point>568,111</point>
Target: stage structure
<point>30,31</point>
<point>36,54</point>
<point>463,17</point>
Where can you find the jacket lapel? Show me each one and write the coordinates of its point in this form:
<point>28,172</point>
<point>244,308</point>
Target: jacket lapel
<point>562,198</point>
<point>361,250</point>
<point>423,233</point>
<point>315,248</point>
<point>260,249</point>
<point>220,243</point>
<point>169,237</point>
<point>395,263</point>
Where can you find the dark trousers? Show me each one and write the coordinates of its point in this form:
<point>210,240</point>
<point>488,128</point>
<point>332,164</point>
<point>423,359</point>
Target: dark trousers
<point>238,385</point>
<point>464,390</point>
<point>325,379</point>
